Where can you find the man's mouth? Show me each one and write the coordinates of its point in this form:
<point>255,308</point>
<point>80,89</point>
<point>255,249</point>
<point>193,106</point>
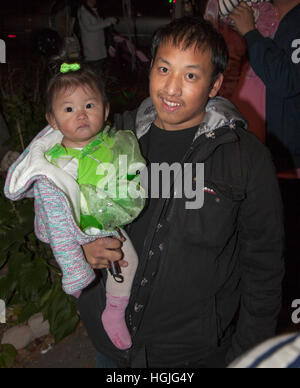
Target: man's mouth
<point>170,106</point>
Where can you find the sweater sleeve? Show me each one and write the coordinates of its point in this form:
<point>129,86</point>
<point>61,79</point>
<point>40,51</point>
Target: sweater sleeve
<point>261,255</point>
<point>91,23</point>
<point>278,68</point>
<point>55,215</point>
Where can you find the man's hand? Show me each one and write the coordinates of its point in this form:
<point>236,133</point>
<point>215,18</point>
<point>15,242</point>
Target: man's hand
<point>99,252</point>
<point>243,19</point>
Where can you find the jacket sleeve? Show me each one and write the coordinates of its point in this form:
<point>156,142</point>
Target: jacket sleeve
<point>126,120</point>
<point>52,208</point>
<point>277,68</point>
<point>91,23</point>
<point>261,255</point>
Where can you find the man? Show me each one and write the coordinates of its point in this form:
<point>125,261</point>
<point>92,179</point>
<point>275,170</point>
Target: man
<point>199,269</point>
<point>277,63</point>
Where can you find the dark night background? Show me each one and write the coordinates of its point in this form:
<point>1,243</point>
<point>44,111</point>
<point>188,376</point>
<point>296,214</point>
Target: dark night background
<point>24,76</point>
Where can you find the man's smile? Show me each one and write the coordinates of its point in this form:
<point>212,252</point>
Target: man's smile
<point>170,105</point>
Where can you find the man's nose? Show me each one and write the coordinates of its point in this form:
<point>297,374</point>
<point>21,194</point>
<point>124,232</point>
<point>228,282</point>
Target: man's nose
<point>173,85</point>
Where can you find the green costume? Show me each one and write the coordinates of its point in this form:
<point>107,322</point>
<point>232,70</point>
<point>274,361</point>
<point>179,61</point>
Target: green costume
<point>107,171</point>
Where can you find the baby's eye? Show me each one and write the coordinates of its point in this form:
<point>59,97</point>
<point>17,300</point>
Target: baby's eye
<point>90,106</point>
<point>69,109</point>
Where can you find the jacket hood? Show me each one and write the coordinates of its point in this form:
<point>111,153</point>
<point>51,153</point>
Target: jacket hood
<point>32,165</point>
<point>220,113</point>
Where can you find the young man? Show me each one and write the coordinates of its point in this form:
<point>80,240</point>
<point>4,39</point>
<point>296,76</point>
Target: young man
<point>208,284</point>
<point>277,63</point>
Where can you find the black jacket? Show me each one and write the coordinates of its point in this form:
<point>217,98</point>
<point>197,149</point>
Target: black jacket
<point>203,271</point>
<point>276,62</point>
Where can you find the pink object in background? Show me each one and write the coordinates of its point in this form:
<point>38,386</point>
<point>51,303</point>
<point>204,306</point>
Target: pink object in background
<point>241,85</point>
<point>250,94</point>
<point>236,47</point>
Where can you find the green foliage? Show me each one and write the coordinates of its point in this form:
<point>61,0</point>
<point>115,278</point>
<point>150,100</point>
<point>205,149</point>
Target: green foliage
<point>59,309</point>
<point>8,356</point>
<point>24,119</point>
<point>23,104</point>
<point>30,280</point>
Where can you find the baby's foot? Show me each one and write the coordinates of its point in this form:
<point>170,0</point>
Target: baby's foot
<point>113,319</point>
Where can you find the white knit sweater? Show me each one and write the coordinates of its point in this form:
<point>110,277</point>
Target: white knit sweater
<point>92,34</point>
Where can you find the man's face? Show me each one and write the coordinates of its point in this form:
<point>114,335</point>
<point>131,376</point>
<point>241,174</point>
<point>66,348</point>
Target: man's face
<point>180,85</point>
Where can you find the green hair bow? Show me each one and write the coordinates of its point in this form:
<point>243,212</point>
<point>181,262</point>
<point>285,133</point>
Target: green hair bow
<point>66,67</point>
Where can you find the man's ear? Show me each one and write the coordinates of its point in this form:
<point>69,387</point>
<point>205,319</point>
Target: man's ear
<point>107,110</point>
<point>51,121</point>
<point>216,86</point>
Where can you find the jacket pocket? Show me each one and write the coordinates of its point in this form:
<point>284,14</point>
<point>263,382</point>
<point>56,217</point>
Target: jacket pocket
<point>216,221</point>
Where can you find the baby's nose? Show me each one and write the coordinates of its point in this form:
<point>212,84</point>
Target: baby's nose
<point>82,114</point>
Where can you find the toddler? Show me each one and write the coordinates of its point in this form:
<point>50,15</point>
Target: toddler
<point>84,178</point>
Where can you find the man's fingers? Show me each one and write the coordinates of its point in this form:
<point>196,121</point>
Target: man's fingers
<point>123,263</point>
<point>114,254</point>
<point>111,243</point>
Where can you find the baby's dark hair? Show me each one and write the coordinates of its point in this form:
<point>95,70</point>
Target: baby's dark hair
<point>84,77</point>
<point>192,31</point>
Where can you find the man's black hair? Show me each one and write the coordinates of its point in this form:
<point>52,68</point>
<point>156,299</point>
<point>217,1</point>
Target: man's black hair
<point>192,31</point>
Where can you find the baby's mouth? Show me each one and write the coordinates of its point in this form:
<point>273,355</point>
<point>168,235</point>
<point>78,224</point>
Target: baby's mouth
<point>83,126</point>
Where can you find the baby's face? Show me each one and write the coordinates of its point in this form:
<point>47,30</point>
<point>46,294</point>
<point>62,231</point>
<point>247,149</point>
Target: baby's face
<point>79,114</point>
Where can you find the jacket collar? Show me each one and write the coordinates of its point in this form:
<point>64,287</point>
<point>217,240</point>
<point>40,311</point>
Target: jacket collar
<point>220,113</point>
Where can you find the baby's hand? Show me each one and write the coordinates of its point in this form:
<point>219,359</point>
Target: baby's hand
<point>100,252</point>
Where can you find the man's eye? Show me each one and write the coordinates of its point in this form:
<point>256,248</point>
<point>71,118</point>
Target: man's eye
<point>69,109</point>
<point>163,69</point>
<point>90,106</point>
<point>191,76</point>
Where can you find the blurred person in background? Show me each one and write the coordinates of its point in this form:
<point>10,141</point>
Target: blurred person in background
<point>92,27</point>
<point>242,86</point>
<point>188,8</point>
<point>281,352</point>
<point>236,47</point>
<point>277,63</point>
